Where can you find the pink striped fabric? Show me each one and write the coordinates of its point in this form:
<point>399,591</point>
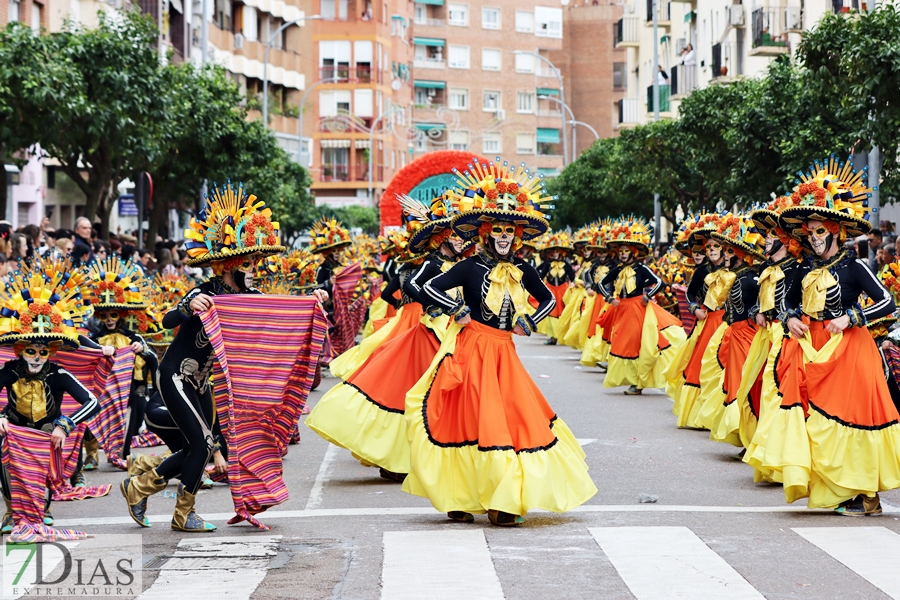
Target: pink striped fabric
<point>32,465</point>
<point>148,439</point>
<point>348,314</point>
<point>109,378</point>
<point>266,348</point>
<point>687,318</point>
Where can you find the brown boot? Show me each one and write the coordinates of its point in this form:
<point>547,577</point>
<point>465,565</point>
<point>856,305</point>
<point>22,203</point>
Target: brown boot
<point>138,464</point>
<point>92,454</point>
<point>185,519</point>
<point>137,489</point>
<point>7,525</point>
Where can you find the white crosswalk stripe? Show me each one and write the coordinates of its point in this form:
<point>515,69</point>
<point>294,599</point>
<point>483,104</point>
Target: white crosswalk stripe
<point>870,552</point>
<point>222,568</point>
<point>438,565</point>
<point>670,562</point>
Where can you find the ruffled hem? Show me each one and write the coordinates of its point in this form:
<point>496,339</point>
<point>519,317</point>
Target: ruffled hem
<point>377,311</point>
<point>571,315</point>
<point>548,326</point>
<point>346,418</point>
<point>788,452</point>
<point>712,396</point>
<point>647,370</point>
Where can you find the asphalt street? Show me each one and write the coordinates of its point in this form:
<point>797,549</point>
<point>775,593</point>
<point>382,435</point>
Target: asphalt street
<point>345,533</point>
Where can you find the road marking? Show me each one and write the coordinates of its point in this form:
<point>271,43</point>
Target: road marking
<point>870,552</point>
<point>15,558</point>
<point>670,562</point>
<point>438,565</point>
<point>315,494</point>
<point>224,567</point>
<point>586,441</point>
<point>376,511</point>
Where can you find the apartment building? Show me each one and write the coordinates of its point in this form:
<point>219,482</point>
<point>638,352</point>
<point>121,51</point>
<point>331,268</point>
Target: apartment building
<point>705,42</point>
<point>357,116</point>
<point>473,92</point>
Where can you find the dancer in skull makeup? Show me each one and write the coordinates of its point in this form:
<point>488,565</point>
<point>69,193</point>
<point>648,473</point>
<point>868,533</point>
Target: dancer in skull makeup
<point>836,439</point>
<point>596,345</point>
<point>482,436</point>
<point>558,275</point>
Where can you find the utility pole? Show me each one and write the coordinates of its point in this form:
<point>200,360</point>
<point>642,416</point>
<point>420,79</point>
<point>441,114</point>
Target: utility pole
<point>657,209</point>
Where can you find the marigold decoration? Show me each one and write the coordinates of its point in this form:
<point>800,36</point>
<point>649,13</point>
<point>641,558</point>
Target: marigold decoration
<point>231,224</point>
<point>765,217</point>
<point>165,292</point>
<point>890,277</point>
<point>428,226</point>
<point>302,265</point>
<point>557,241</point>
<point>495,191</point>
<point>328,235</point>
<point>114,283</point>
<point>829,191</point>
<point>631,231</point>
<point>740,233</point>
<point>42,303</point>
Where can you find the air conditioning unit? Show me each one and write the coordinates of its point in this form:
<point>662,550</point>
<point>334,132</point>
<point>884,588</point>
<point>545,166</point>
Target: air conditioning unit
<point>736,15</point>
<point>238,41</point>
<point>793,18</point>
<point>500,115</point>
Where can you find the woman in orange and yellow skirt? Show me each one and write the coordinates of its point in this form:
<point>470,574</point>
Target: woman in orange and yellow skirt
<point>482,436</point>
<point>836,439</point>
<point>558,275</point>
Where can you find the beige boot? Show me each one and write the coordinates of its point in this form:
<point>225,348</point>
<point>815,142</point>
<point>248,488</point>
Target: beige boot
<point>185,519</point>
<point>137,489</point>
<point>92,454</point>
<point>138,464</point>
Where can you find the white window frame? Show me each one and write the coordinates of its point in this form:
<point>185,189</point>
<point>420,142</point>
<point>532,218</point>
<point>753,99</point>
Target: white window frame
<point>489,24</point>
<point>548,22</point>
<point>423,10</point>
<point>461,142</point>
<point>521,26</point>
<point>487,141</point>
<point>491,52</point>
<point>484,100</point>
<point>458,65</point>
<point>461,92</point>
<point>525,102</point>
<point>526,148</point>
<point>524,63</point>
<point>457,21</point>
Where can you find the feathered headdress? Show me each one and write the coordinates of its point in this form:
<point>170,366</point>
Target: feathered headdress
<point>114,283</point>
<point>231,224</point>
<point>42,303</point>
<point>328,234</point>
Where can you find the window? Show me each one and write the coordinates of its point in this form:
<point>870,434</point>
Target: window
<point>421,15</point>
<point>458,57</point>
<point>459,140</point>
<point>525,102</point>
<point>524,21</point>
<point>524,143</point>
<point>334,102</point>
<point>548,142</point>
<point>490,59</point>
<point>459,99</point>
<point>524,63</point>
<point>334,58</point>
<point>492,142</point>
<point>362,103</point>
<point>491,101</point>
<point>490,18</point>
<point>548,22</point>
<point>35,20</point>
<point>619,75</point>
<point>458,14</point>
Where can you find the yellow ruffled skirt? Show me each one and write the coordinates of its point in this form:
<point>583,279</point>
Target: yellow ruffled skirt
<point>482,436</point>
<point>578,335</point>
<point>596,349</point>
<point>377,311</point>
<point>754,429</point>
<point>571,315</point>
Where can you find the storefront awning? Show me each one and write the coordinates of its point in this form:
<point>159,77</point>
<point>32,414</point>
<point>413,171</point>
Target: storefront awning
<point>547,92</point>
<point>423,41</point>
<point>424,83</point>
<point>429,126</point>
<point>547,136</point>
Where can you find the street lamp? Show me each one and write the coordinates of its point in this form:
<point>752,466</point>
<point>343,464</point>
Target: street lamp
<point>265,110</point>
<point>574,125</point>
<point>562,97</point>
<point>572,118</point>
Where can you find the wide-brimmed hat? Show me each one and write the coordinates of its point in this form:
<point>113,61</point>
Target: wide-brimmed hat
<point>328,235</point>
<point>113,283</point>
<point>166,291</point>
<point>428,226</point>
<point>631,231</point>
<point>557,241</point>
<point>740,232</point>
<point>498,192</point>
<point>230,224</point>
<point>829,191</point>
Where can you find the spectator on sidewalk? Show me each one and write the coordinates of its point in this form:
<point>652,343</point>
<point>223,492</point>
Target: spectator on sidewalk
<point>875,241</point>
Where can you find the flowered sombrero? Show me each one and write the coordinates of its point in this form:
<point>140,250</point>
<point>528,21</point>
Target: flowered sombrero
<point>327,235</point>
<point>116,284</point>
<point>231,224</point>
<point>498,192</point>
<point>740,232</point>
<point>42,304</point>
<point>631,231</point>
<point>829,191</point>
<point>428,226</point>
<point>557,241</point>
<point>165,293</point>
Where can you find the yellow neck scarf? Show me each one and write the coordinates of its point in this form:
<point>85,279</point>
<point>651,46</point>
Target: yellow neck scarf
<point>768,281</point>
<point>718,284</point>
<point>815,288</point>
<point>506,278</point>
<point>626,279</point>
<point>118,341</point>
<point>558,269</point>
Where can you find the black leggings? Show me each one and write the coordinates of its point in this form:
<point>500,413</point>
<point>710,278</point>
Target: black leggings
<point>160,422</point>
<point>192,412</point>
<point>137,402</point>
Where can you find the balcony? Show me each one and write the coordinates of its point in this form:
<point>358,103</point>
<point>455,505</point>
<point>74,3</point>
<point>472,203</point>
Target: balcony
<point>361,173</point>
<point>354,74</point>
<point>344,123</point>
<point>663,99</point>
<point>629,111</point>
<point>432,62</point>
<point>335,173</point>
<point>431,22</point>
<point>769,32</point>
<point>683,80</point>
<point>548,112</point>
<point>664,13</point>
<point>628,32</point>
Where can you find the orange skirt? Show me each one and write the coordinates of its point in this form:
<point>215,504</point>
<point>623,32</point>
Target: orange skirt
<point>558,292</point>
<point>607,321</point>
<point>395,367</point>
<point>733,354</point>
<point>482,396</point>
<point>628,326</point>
<point>599,303</point>
<point>692,371</point>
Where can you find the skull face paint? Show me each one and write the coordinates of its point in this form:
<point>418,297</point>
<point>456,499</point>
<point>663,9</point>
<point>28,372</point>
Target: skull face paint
<point>713,251</point>
<point>698,255</point>
<point>35,357</point>
<point>109,318</point>
<point>819,237</point>
<point>243,274</point>
<point>773,244</point>
<point>502,235</point>
<point>626,255</point>
<point>730,255</point>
